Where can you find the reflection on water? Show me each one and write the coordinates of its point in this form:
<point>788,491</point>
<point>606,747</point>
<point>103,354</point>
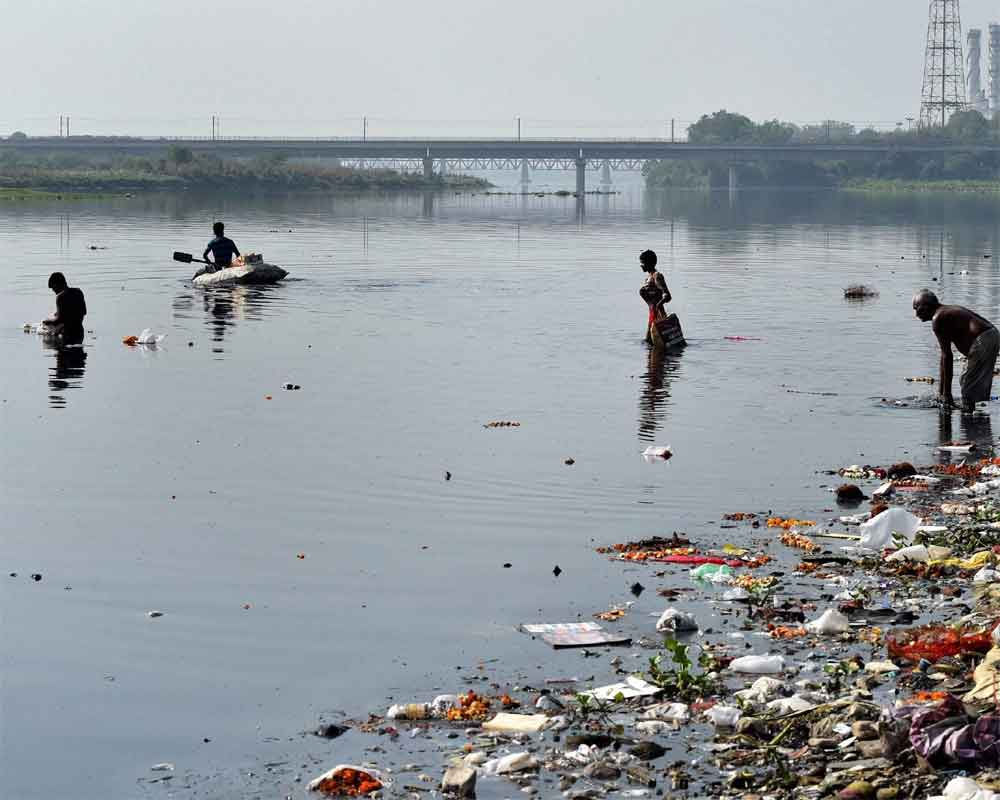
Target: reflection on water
<point>662,367</point>
<point>975,428</point>
<point>67,373</point>
<point>223,307</point>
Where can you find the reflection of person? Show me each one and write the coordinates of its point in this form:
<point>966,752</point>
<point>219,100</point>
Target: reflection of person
<point>71,308</point>
<point>654,291</point>
<point>977,429</point>
<point>662,365</point>
<point>221,247</point>
<point>973,336</point>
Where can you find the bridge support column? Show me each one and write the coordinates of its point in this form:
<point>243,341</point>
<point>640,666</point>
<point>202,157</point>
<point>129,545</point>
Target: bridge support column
<point>428,168</point>
<point>581,177</point>
<point>606,176</point>
<point>734,183</point>
<point>443,168</point>
<point>525,175</point>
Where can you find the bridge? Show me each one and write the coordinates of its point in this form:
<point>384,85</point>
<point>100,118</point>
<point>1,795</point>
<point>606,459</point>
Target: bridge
<point>446,154</point>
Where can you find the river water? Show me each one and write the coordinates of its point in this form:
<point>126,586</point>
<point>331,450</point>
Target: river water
<point>137,480</point>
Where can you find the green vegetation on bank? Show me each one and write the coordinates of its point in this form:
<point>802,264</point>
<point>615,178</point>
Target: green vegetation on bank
<point>886,172</point>
<point>876,185</point>
<point>180,168</point>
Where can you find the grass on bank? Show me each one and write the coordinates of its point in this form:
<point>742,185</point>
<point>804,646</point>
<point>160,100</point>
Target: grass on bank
<point>877,185</point>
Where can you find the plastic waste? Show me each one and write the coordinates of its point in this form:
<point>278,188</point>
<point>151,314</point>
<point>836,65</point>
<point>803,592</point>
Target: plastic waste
<point>147,337</point>
<point>758,665</point>
<point>934,642</point>
<point>667,712</point>
<point>736,593</point>
<point>919,553</point>
<point>877,533</point>
<point>724,716</point>
<point>653,727</point>
<point>516,723</point>
<point>830,621</point>
<point>977,488</point>
<point>760,690</point>
<point>715,573</point>
<point>654,453</point>
<point>347,778</point>
<point>790,705</point>
<point>674,620</point>
<point>443,702</point>
<point>409,711</point>
<point>965,789</point>
<point>986,575</point>
<point>631,687</point>
<point>986,677</point>
<point>515,762</point>
<point>879,667</point>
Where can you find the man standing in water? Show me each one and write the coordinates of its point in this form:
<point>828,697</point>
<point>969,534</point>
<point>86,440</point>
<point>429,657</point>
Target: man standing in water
<point>222,248</point>
<point>973,336</point>
<point>71,308</point>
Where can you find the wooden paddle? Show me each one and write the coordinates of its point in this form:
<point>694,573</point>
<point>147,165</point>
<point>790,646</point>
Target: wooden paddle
<point>187,258</point>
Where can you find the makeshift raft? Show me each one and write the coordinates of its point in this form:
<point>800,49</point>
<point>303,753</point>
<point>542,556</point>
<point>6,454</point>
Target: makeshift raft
<point>249,271</point>
<point>667,333</point>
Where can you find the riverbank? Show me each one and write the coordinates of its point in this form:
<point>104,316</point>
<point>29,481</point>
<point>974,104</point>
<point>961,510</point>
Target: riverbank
<point>902,186</point>
<point>792,662</point>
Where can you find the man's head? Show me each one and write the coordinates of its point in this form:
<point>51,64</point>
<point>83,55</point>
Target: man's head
<point>925,303</point>
<point>218,229</point>
<point>647,258</point>
<point>57,282</point>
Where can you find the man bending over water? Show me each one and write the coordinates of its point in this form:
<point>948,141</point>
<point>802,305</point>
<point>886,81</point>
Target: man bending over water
<point>71,308</point>
<point>973,336</point>
<point>222,248</point>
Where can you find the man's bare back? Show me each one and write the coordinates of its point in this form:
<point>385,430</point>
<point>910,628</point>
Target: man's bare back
<point>955,325</point>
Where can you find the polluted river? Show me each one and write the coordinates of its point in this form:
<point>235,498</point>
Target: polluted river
<point>217,587</point>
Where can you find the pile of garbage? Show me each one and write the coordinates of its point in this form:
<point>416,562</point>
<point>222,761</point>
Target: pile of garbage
<point>856,656</point>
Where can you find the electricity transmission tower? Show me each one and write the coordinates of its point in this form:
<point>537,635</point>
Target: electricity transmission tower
<point>944,75</point>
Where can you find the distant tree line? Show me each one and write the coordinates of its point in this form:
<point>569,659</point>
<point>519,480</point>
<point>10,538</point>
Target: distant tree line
<point>724,127</point>
<point>180,167</point>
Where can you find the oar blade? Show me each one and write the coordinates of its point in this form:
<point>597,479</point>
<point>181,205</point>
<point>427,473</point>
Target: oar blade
<point>184,258</point>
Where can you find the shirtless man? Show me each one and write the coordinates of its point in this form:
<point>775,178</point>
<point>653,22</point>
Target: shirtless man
<point>973,336</point>
<point>71,308</point>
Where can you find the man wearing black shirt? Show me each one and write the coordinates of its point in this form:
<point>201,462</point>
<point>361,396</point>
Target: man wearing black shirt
<point>71,308</point>
<point>222,248</point>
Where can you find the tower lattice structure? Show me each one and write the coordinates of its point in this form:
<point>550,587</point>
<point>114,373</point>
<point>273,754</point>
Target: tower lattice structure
<point>944,68</point>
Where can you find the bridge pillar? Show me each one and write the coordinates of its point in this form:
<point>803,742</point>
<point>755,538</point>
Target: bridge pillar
<point>606,176</point>
<point>733,178</point>
<point>428,168</point>
<point>525,175</point>
<point>581,176</point>
<point>442,167</point>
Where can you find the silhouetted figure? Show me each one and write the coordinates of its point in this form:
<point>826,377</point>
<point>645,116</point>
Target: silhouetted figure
<point>973,336</point>
<point>654,291</point>
<point>221,247</point>
<point>71,308</point>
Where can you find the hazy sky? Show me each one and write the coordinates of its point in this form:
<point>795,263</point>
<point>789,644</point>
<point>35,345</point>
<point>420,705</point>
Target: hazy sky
<point>315,67</point>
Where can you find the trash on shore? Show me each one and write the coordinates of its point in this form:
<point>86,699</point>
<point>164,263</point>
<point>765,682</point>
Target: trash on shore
<point>502,424</point>
<point>345,780</point>
<point>574,634</point>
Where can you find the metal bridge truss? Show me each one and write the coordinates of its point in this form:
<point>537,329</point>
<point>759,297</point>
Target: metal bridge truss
<point>494,163</point>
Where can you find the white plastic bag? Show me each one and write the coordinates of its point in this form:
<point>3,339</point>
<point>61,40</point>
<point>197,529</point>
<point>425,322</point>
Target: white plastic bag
<point>790,705</point>
<point>653,453</point>
<point>877,533</point>
<point>674,620</point>
<point>515,762</point>
<point>315,782</point>
<point>758,665</point>
<point>667,712</point>
<point>760,690</point>
<point>965,789</point>
<point>724,716</point>
<point>986,575</point>
<point>148,338</point>
<point>830,621</point>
